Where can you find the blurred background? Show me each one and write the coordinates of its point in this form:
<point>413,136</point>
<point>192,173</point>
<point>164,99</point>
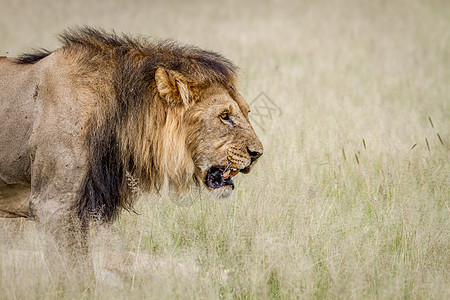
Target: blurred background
<point>351,197</point>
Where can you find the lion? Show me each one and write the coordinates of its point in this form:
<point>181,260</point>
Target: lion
<point>80,120</point>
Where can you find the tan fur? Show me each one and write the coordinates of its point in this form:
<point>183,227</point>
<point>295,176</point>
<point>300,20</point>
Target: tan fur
<point>82,120</point>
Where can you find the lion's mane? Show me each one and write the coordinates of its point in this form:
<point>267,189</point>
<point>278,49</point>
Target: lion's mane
<point>128,128</point>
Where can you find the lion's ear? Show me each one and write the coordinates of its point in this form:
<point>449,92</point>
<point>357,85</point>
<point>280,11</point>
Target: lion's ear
<point>171,87</point>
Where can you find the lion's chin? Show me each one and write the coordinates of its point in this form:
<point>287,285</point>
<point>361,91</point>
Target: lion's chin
<point>222,193</point>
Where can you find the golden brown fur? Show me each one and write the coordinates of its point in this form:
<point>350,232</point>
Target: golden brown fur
<point>81,120</point>
<point>143,83</point>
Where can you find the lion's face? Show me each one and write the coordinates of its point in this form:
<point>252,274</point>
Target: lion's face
<point>221,139</point>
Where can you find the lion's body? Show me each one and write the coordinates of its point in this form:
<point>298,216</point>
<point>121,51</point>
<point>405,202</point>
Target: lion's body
<point>14,149</point>
<point>78,121</point>
<point>38,135</point>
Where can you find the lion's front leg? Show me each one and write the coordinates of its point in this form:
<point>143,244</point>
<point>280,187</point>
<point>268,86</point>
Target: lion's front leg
<point>57,173</point>
<point>66,240</point>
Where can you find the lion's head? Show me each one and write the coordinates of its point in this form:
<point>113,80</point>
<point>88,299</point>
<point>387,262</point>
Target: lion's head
<point>157,112</point>
<point>218,135</point>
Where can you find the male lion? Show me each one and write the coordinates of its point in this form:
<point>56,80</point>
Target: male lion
<point>78,121</point>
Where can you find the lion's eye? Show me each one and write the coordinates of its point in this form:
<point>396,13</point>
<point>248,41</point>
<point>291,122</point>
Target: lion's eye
<point>225,116</point>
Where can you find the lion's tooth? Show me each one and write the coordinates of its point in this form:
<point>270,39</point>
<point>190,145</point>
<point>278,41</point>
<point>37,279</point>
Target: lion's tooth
<point>226,174</point>
<point>234,173</point>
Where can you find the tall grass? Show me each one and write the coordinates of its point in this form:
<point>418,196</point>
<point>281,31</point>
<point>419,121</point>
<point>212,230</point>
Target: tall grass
<point>351,197</point>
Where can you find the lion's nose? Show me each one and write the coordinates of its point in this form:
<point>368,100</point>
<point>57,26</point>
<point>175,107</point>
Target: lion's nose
<point>254,155</point>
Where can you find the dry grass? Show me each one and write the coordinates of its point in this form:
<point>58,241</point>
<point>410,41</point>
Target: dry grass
<point>351,198</point>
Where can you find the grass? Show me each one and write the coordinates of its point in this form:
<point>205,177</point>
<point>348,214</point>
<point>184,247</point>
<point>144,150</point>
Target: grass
<point>351,197</point>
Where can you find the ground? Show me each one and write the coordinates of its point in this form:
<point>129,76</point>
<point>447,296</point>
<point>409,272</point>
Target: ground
<point>351,197</point>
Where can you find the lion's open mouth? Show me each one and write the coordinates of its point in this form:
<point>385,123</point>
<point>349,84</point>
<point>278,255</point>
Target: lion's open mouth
<point>219,176</point>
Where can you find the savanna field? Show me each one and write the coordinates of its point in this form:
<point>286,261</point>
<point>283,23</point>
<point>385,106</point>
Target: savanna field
<point>351,197</point>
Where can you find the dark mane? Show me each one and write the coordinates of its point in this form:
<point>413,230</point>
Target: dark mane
<point>192,62</point>
<point>34,57</point>
<point>127,65</point>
